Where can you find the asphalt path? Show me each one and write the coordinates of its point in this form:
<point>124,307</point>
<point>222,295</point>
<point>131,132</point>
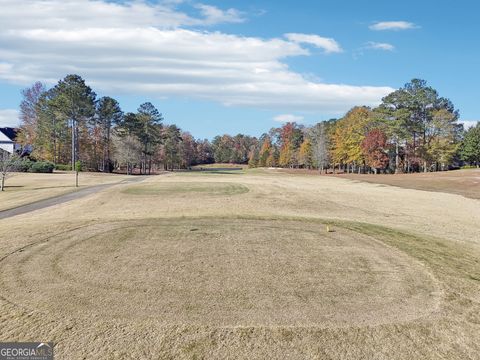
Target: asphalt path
<point>61,199</point>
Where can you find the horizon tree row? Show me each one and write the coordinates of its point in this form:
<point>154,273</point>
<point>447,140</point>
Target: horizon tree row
<point>413,129</point>
<point>68,123</point>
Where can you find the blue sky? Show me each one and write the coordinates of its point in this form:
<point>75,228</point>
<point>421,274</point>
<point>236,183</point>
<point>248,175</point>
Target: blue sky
<point>215,67</point>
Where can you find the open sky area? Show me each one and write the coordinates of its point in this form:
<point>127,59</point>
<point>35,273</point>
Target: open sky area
<point>215,67</point>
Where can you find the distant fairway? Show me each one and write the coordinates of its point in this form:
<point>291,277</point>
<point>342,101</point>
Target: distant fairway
<point>197,188</point>
<point>195,265</point>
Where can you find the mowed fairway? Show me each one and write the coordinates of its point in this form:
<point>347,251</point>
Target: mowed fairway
<point>239,264</point>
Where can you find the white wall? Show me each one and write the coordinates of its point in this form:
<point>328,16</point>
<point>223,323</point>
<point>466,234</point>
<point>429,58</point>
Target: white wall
<point>5,143</point>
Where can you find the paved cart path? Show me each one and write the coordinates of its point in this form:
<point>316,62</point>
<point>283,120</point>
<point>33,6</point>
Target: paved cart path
<point>60,199</point>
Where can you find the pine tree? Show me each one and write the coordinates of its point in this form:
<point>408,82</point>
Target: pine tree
<point>470,149</point>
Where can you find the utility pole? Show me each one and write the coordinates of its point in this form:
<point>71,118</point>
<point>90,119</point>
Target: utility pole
<point>73,145</point>
<point>74,151</point>
<point>74,140</point>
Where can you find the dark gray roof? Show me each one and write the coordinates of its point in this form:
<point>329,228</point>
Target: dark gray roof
<point>9,132</point>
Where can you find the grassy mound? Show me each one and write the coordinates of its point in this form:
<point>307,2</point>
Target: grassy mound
<point>226,272</point>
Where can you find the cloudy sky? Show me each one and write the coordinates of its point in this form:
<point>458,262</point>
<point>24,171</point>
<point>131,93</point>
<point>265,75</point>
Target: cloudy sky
<point>241,66</point>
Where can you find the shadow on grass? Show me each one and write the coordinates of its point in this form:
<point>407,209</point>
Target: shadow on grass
<point>53,187</point>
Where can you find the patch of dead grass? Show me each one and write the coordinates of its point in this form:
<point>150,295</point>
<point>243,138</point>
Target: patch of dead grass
<point>250,276</point>
<point>244,287</point>
<point>25,188</point>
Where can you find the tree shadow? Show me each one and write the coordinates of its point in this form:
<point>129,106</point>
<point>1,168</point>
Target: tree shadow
<point>53,187</point>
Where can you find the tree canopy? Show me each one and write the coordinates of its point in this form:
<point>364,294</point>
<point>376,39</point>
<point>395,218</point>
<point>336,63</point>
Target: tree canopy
<point>413,129</point>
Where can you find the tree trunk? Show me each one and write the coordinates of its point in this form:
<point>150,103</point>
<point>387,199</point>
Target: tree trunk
<point>106,166</point>
<point>3,182</point>
<point>397,159</point>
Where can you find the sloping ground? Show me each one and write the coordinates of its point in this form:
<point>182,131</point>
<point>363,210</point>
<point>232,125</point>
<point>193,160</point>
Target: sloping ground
<point>460,182</point>
<point>251,275</point>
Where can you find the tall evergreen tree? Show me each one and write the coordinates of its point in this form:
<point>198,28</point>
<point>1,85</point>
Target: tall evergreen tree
<point>72,101</point>
<point>470,150</point>
<point>412,108</point>
<point>108,115</point>
<point>149,121</point>
<point>171,147</point>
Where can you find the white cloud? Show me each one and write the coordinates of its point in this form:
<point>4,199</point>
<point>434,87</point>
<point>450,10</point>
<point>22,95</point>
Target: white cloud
<point>379,46</point>
<point>469,123</point>
<point>140,48</point>
<point>392,25</point>
<point>284,118</point>
<point>8,117</point>
<point>329,45</point>
<point>81,14</point>
<point>214,15</point>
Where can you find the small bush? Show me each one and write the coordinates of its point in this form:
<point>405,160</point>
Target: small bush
<point>63,167</point>
<point>24,165</point>
<point>42,167</point>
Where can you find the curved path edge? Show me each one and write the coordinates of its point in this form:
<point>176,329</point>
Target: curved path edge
<point>63,198</point>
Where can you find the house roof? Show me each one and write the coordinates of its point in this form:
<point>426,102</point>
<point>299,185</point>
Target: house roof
<point>9,132</point>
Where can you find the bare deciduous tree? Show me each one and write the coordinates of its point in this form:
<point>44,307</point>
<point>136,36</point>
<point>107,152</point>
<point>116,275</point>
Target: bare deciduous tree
<point>321,145</point>
<point>128,151</point>
<point>7,164</point>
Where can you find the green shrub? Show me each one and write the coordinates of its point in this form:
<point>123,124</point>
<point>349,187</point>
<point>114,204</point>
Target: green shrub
<point>42,167</point>
<point>24,165</point>
<point>63,167</point>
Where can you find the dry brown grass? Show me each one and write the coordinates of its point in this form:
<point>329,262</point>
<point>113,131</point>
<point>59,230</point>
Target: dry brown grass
<point>212,273</point>
<point>460,182</point>
<point>24,188</point>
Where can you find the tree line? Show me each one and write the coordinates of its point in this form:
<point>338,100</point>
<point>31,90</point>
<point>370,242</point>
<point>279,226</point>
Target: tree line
<point>67,123</point>
<point>413,129</point>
